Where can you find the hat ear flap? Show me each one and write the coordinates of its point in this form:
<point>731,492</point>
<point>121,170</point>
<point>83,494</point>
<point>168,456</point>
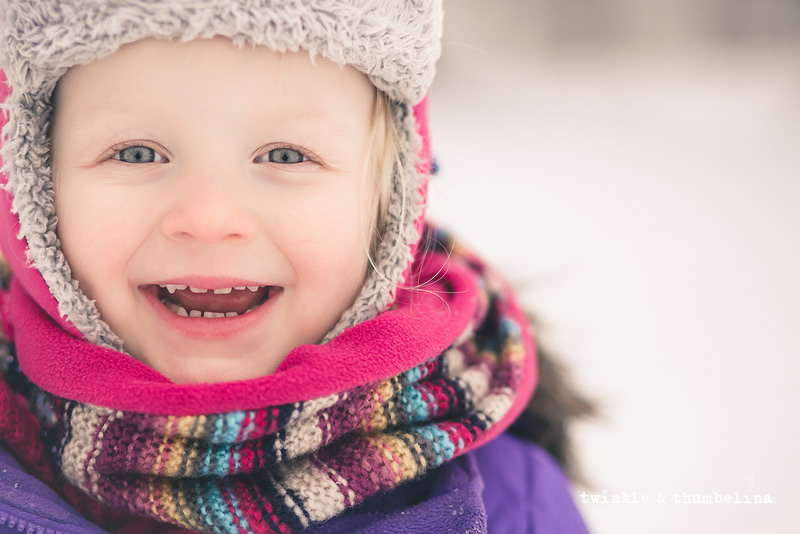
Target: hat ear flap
<point>14,247</point>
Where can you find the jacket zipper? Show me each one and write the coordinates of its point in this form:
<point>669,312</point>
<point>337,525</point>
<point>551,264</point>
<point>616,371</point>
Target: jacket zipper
<point>25,526</point>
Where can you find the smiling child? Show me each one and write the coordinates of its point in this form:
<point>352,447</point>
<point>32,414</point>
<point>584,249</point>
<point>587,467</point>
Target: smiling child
<point>226,312</point>
<point>245,198</point>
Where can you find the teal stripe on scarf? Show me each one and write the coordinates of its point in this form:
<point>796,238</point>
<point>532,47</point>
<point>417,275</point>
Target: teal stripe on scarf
<point>219,507</point>
<point>232,426</point>
<point>416,407</point>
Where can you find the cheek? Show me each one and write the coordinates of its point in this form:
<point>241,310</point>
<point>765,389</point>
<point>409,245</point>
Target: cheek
<point>96,231</point>
<point>325,240</point>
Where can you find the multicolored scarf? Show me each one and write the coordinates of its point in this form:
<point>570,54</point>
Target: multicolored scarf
<point>282,468</point>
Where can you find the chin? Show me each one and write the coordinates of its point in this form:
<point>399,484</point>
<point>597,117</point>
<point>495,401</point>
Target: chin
<point>209,369</point>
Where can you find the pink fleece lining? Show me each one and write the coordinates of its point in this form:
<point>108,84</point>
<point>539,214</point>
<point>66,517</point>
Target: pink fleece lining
<point>423,325</point>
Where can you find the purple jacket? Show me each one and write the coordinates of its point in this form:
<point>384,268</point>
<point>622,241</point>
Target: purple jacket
<point>506,486</point>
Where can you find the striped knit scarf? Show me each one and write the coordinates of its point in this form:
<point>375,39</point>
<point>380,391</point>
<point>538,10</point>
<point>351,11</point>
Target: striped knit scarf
<point>283,468</point>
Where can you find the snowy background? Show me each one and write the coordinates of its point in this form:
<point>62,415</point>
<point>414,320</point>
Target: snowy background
<point>634,169</point>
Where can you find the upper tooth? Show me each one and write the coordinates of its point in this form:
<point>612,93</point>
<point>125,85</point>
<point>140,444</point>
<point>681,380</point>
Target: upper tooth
<point>172,288</point>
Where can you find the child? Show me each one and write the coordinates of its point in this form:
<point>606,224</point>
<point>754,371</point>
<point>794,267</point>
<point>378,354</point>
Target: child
<point>226,313</point>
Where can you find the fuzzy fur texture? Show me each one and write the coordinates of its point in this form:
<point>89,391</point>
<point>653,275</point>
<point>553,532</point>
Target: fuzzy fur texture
<point>394,42</point>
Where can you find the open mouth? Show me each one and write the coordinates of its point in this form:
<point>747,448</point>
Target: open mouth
<point>187,301</point>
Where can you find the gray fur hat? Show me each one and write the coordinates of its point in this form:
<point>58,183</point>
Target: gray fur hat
<point>395,42</point>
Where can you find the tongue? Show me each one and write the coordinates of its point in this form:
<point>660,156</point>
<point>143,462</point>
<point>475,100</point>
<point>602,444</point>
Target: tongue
<point>235,301</point>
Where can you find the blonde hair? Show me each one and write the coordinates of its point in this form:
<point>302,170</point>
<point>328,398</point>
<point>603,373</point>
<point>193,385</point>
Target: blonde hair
<point>384,162</point>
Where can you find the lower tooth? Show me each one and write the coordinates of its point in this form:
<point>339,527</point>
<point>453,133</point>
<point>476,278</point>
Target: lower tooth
<point>182,312</point>
<point>195,313</point>
<point>231,314</point>
<point>209,315</point>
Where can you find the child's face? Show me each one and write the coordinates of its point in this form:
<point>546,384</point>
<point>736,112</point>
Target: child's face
<point>204,165</point>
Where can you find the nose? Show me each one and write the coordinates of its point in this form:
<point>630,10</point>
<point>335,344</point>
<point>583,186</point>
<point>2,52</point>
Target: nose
<point>209,207</point>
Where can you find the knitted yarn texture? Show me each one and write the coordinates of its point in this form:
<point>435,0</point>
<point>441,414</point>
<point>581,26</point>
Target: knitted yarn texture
<point>283,468</point>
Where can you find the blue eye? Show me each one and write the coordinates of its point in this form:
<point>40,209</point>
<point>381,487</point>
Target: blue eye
<point>139,154</point>
<point>285,155</point>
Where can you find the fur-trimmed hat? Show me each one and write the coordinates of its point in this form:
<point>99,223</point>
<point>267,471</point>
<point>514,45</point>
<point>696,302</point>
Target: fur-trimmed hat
<point>394,42</point>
